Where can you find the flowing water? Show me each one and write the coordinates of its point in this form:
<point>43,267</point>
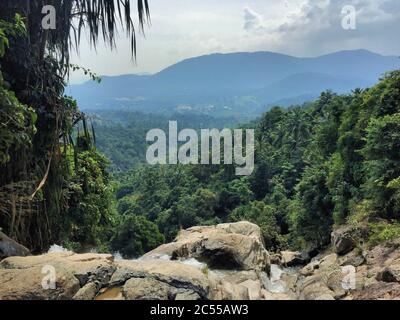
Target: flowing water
<point>277,282</point>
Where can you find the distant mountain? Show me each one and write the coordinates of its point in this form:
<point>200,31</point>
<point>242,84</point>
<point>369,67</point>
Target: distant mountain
<point>227,82</point>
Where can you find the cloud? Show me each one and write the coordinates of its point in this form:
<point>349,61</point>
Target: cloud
<point>315,26</point>
<point>253,22</point>
<point>185,28</point>
<point>391,7</point>
<point>317,15</point>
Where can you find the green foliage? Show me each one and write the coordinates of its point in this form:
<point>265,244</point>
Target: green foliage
<point>382,165</point>
<point>135,235</point>
<point>17,121</point>
<point>8,29</point>
<point>52,188</point>
<point>264,216</point>
<point>87,72</point>
<point>188,211</point>
<point>382,232</point>
<point>312,209</point>
<point>121,135</point>
<point>333,161</point>
<point>17,124</point>
<point>90,217</point>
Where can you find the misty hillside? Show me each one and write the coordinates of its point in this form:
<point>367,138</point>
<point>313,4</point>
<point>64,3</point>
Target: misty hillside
<point>236,83</point>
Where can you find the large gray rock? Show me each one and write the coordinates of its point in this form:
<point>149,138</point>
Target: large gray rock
<point>21,278</point>
<point>26,284</point>
<point>10,248</point>
<point>237,248</point>
<point>236,259</point>
<point>238,285</point>
<point>174,277</point>
<point>294,258</point>
<point>229,246</point>
<point>146,289</point>
<point>343,240</point>
<point>322,279</point>
<point>88,292</point>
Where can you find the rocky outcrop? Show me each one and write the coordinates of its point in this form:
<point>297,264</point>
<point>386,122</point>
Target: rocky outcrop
<point>230,246</point>
<point>322,280</point>
<point>10,248</point>
<point>367,274</point>
<point>224,262</point>
<point>173,277</point>
<point>54,276</point>
<point>231,260</point>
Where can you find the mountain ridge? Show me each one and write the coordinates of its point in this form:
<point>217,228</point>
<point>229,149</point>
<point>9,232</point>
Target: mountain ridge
<point>219,79</point>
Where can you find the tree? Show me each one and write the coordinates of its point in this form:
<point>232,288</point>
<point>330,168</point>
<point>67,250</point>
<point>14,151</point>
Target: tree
<point>382,165</point>
<point>264,216</point>
<point>312,208</point>
<point>135,235</point>
<point>234,193</point>
<point>188,211</point>
<point>35,68</point>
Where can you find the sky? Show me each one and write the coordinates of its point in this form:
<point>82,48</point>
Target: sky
<point>182,29</point>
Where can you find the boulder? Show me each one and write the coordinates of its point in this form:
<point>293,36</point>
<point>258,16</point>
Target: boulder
<point>22,277</point>
<point>146,289</point>
<point>238,285</point>
<point>179,277</point>
<point>10,248</point>
<point>229,291</point>
<point>389,274</point>
<point>354,258</point>
<point>230,246</point>
<point>315,288</point>
<point>383,263</point>
<point>88,292</point>
<point>27,284</point>
<point>276,259</point>
<point>224,262</point>
<point>343,240</point>
<point>323,279</point>
<point>325,262</point>
<point>294,258</point>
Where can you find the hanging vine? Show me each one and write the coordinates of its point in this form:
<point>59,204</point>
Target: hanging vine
<point>52,180</point>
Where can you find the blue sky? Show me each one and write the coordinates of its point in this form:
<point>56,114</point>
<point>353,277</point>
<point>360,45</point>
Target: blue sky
<point>186,28</point>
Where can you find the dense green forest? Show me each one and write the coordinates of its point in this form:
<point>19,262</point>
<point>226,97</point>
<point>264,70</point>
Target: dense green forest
<point>121,134</point>
<point>330,162</point>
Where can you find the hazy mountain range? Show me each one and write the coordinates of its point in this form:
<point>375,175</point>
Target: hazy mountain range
<point>241,84</point>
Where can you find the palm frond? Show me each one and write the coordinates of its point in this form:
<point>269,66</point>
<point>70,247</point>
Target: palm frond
<point>102,19</point>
